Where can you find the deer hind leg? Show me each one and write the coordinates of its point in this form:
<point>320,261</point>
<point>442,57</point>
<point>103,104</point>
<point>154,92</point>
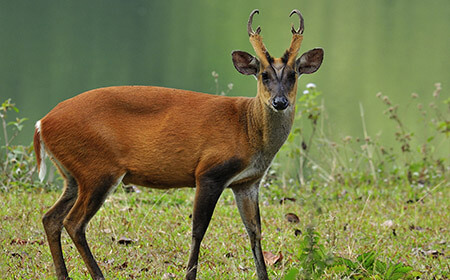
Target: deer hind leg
<point>91,196</point>
<point>247,203</point>
<point>53,223</point>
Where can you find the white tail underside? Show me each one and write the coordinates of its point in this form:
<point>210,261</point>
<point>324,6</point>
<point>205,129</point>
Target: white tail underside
<point>43,167</point>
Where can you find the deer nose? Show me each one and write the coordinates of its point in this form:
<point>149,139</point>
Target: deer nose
<point>280,103</point>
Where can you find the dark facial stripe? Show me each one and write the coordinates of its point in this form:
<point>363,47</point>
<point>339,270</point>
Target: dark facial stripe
<point>269,58</point>
<point>285,57</point>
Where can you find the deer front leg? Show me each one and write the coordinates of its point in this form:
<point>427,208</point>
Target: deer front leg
<point>247,203</point>
<point>205,201</point>
<point>210,183</point>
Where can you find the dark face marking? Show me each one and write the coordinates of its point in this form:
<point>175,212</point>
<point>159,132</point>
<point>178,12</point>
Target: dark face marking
<point>269,58</point>
<point>279,86</point>
<point>285,57</point>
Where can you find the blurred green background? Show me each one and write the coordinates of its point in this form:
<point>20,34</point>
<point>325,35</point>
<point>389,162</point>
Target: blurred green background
<point>53,50</point>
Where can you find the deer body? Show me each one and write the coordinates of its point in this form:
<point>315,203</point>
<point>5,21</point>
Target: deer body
<point>140,128</point>
<point>169,138</point>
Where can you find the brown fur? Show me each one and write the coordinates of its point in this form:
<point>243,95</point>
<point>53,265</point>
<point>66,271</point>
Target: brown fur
<point>260,49</point>
<point>140,129</point>
<point>293,50</point>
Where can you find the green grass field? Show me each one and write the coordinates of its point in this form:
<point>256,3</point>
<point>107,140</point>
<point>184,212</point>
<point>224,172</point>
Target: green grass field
<point>147,235</point>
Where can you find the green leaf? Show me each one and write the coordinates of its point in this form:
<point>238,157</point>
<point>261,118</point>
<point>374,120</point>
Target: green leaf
<point>397,271</point>
<point>414,275</point>
<point>338,269</point>
<point>292,273</point>
<point>380,267</point>
<point>367,259</point>
<point>351,265</point>
<point>297,131</point>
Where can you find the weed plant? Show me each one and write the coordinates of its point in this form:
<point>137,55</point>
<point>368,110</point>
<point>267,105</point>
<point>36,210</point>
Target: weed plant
<point>18,162</point>
<point>420,160</point>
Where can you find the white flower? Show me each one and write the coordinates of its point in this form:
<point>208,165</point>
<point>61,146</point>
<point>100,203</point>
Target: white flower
<point>311,85</point>
<point>305,91</point>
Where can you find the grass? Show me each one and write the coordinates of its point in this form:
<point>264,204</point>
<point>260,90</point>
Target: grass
<point>353,197</point>
<point>157,223</point>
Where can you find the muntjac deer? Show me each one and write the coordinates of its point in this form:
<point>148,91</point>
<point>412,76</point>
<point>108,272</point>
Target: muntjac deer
<point>170,138</point>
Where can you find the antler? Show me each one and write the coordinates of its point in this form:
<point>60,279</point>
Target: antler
<point>302,25</point>
<point>249,24</point>
<point>297,38</point>
<point>256,41</point>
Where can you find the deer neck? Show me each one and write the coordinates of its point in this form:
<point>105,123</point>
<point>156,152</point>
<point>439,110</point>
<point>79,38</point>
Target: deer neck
<point>269,128</point>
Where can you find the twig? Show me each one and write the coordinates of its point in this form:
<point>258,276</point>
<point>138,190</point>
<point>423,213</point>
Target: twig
<point>367,140</point>
<point>5,134</point>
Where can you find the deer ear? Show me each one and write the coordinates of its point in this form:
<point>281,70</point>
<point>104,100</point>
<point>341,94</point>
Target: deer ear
<point>245,63</point>
<point>309,62</point>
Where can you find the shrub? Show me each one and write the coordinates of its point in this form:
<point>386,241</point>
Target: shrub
<point>18,161</point>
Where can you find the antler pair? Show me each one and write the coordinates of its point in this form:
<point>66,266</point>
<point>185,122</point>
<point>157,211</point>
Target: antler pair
<point>258,29</point>
<point>260,49</point>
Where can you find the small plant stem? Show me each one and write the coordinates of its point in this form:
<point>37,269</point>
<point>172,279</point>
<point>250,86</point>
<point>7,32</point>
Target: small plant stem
<point>13,137</point>
<point>301,177</point>
<point>322,113</point>
<point>150,210</point>
<point>305,158</point>
<point>217,86</point>
<point>358,222</point>
<point>368,148</point>
<point>305,154</point>
<point>5,134</point>
<point>323,173</point>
